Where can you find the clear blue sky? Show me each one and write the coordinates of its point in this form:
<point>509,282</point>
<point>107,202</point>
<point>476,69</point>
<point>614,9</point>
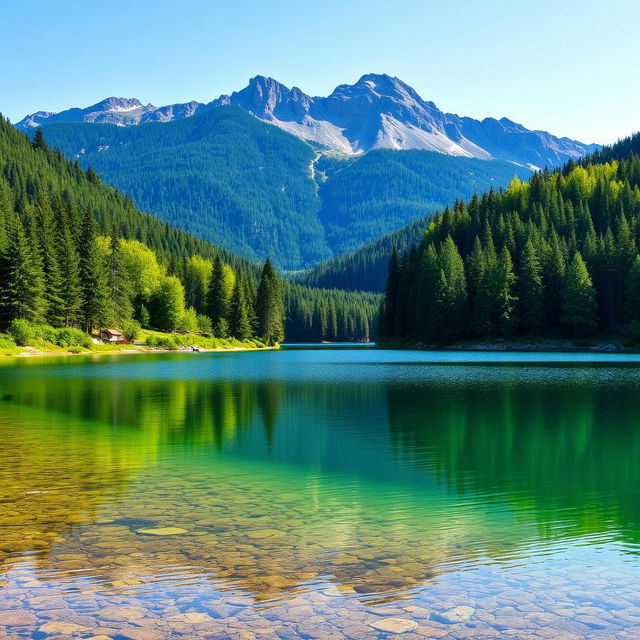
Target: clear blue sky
<point>566,66</point>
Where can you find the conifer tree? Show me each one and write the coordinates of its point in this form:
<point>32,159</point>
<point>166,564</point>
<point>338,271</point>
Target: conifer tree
<point>391,296</point>
<point>217,301</point>
<point>632,301</point>
<point>118,283</point>
<point>505,298</point>
<point>69,262</point>
<point>269,306</point>
<point>22,294</point>
<point>531,291</point>
<point>239,323</point>
<point>94,281</point>
<point>53,284</point>
<point>579,308</point>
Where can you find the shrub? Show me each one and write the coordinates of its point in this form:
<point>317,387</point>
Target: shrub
<point>74,349</point>
<point>131,330</point>
<point>189,321</point>
<point>152,341</point>
<point>204,324</point>
<point>22,332</point>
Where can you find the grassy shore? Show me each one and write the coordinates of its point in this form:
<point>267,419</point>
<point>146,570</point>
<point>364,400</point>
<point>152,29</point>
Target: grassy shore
<point>149,341</point>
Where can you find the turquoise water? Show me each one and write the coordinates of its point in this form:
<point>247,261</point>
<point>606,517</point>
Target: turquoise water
<point>320,493</point>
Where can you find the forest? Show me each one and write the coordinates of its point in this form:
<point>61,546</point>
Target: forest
<point>257,190</point>
<point>554,256</point>
<point>75,253</point>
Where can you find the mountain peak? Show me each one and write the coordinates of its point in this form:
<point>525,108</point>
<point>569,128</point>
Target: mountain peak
<point>378,111</point>
<point>117,104</point>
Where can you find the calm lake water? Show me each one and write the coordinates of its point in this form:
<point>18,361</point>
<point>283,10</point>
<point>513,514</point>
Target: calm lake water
<point>320,493</point>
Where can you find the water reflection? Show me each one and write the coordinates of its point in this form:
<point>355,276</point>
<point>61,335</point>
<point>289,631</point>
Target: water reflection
<point>309,493</point>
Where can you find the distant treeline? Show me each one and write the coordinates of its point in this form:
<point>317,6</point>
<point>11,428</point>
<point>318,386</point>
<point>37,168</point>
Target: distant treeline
<point>555,256</point>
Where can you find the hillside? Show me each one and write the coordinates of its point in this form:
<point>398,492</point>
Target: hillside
<point>46,204</point>
<point>556,256</point>
<point>245,185</point>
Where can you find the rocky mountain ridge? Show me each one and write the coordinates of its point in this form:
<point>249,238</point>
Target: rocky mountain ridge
<point>377,112</point>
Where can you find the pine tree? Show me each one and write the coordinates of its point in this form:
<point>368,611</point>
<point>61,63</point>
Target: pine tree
<point>632,301</point>
<point>69,262</point>
<point>217,301</point>
<point>269,306</point>
<point>451,295</point>
<point>505,280</point>
<point>39,142</point>
<point>531,296</point>
<point>119,284</point>
<point>239,323</point>
<point>391,295</point>
<point>579,309</point>
<point>94,281</point>
<point>53,283</point>
<point>22,294</point>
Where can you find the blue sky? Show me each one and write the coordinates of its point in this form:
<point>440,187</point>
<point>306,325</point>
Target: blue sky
<point>565,66</point>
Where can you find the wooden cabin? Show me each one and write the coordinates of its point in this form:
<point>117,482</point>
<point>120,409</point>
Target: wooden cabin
<point>111,336</point>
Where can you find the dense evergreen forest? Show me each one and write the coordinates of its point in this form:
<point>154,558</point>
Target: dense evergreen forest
<point>366,197</point>
<point>75,253</point>
<point>366,268</point>
<point>256,190</point>
<point>557,256</point>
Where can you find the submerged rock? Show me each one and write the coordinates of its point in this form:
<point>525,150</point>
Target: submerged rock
<point>457,614</point>
<point>394,625</point>
<point>162,531</point>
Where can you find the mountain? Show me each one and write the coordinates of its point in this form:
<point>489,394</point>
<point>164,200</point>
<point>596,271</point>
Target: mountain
<point>377,112</point>
<point>233,180</point>
<point>382,112</point>
<point>123,112</point>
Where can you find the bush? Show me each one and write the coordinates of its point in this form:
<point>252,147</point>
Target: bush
<point>204,324</point>
<point>74,349</point>
<point>22,332</point>
<point>152,341</point>
<point>131,330</point>
<point>71,338</point>
<point>189,321</point>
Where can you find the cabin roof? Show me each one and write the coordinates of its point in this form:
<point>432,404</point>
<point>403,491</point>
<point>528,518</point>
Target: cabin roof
<point>112,332</point>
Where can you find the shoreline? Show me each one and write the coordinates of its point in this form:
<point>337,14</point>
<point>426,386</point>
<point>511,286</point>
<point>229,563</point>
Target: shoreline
<point>36,353</point>
<point>606,346</point>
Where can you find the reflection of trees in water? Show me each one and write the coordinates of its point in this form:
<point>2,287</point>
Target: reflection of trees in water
<point>567,453</point>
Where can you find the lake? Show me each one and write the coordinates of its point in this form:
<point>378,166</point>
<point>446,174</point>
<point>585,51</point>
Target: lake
<point>320,493</point>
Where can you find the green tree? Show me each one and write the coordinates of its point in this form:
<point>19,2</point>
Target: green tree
<point>94,280</point>
<point>23,295</point>
<point>269,306</point>
<point>218,299</point>
<point>579,309</point>
<point>239,323</point>
<point>119,283</point>
<point>632,301</point>
<point>167,305</point>
<point>531,290</point>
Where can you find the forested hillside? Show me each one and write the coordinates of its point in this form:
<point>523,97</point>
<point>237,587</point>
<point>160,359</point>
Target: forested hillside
<point>256,190</point>
<point>366,197</point>
<point>557,256</point>
<point>366,268</point>
<point>75,253</point>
